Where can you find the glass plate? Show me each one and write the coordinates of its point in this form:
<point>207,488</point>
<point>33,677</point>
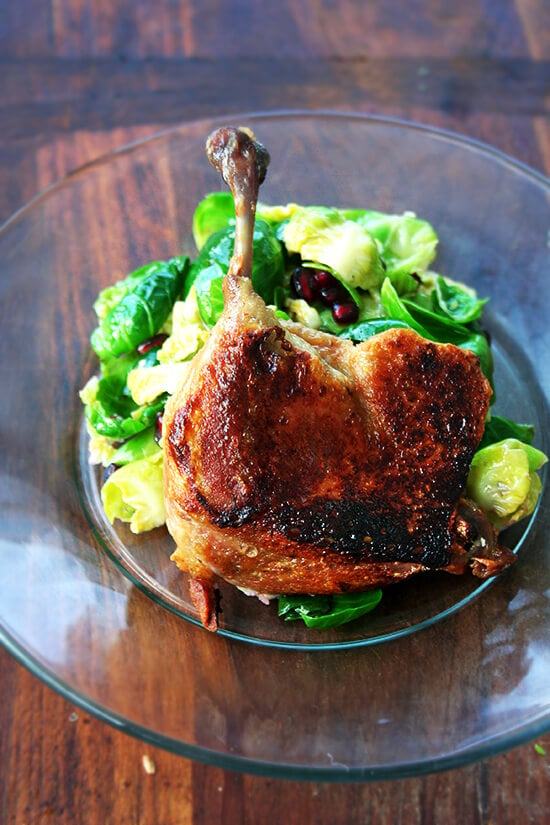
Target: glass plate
<point>447,669</point>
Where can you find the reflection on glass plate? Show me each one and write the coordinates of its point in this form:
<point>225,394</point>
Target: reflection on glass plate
<point>104,616</point>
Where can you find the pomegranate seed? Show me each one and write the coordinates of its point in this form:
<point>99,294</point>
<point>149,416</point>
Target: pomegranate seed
<point>322,279</point>
<point>158,427</point>
<point>302,283</point>
<point>345,313</point>
<point>152,343</point>
<point>331,295</point>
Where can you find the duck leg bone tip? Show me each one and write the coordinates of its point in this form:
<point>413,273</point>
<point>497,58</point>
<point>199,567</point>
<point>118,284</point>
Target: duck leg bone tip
<point>242,162</point>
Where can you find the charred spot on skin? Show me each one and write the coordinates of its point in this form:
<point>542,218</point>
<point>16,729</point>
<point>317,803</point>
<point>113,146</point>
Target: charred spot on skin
<point>176,439</point>
<point>265,348</point>
<point>235,517</point>
<point>428,358</point>
<point>354,530</point>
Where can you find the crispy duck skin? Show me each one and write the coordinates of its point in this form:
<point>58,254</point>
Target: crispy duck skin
<point>298,462</point>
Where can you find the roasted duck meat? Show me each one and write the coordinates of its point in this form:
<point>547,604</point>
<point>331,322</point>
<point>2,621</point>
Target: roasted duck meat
<point>298,462</point>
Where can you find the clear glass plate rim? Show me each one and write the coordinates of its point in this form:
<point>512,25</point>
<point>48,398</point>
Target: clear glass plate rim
<point>332,772</point>
<point>439,133</point>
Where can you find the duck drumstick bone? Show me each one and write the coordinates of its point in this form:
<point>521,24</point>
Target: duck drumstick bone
<point>242,162</point>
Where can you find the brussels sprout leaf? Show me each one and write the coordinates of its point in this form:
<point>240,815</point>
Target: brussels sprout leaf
<point>457,302</point>
<point>141,311</point>
<point>328,611</point>
<point>210,266</point>
<point>214,212</point>
<point>498,428</point>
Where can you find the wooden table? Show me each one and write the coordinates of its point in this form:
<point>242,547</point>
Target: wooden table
<point>81,78</point>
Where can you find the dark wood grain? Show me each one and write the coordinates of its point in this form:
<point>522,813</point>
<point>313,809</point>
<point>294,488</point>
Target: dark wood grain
<point>63,766</point>
<point>79,79</point>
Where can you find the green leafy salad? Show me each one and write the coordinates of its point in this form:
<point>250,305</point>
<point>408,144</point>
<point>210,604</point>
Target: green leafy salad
<point>349,272</point>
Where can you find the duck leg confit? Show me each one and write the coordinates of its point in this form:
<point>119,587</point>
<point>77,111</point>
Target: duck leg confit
<point>298,462</point>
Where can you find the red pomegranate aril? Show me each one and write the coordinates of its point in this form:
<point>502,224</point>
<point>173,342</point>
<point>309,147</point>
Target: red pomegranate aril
<point>345,313</point>
<point>322,279</point>
<point>151,343</point>
<point>302,283</point>
<point>330,295</point>
<point>158,427</point>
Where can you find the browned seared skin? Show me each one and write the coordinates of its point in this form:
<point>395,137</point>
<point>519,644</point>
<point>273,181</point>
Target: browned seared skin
<point>205,600</point>
<point>297,462</point>
<point>289,473</point>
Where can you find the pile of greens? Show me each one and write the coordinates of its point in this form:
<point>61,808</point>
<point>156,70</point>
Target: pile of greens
<point>152,323</point>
